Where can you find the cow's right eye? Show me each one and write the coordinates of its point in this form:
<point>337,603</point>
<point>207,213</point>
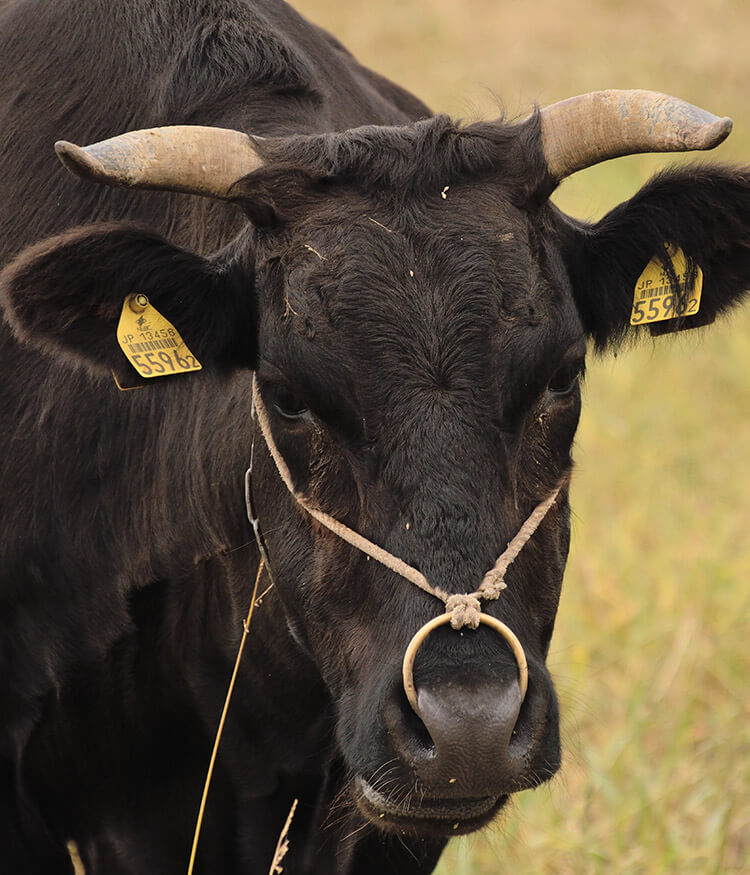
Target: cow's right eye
<point>566,379</point>
<point>288,404</point>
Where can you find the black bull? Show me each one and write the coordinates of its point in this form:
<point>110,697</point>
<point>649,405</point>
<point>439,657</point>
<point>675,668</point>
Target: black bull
<point>416,312</point>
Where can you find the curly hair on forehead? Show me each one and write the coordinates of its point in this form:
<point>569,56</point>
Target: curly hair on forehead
<point>432,152</point>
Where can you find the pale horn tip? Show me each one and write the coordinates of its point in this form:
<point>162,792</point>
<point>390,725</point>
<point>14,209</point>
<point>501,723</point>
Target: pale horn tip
<point>78,161</point>
<point>715,133</point>
<point>683,126</point>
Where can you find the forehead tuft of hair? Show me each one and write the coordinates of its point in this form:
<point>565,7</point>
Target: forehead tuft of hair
<point>423,156</point>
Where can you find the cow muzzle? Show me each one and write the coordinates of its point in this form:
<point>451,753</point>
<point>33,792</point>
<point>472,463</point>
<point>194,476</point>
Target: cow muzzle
<point>450,764</point>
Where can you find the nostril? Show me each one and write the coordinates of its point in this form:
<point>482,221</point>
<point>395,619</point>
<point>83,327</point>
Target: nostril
<point>416,731</point>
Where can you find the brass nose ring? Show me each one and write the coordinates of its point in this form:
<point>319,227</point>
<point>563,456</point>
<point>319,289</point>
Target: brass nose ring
<point>421,635</point>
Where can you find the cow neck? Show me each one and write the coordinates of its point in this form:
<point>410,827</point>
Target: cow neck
<point>462,610</point>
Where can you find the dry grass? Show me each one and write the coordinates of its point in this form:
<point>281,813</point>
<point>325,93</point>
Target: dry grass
<point>650,654</point>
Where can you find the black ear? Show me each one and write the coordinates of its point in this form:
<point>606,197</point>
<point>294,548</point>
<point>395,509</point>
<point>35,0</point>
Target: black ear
<point>65,295</point>
<point>705,211</point>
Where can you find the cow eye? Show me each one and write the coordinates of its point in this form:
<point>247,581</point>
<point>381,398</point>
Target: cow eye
<point>287,403</point>
<point>565,380</point>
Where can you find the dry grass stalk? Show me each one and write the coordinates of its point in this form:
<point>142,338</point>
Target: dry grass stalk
<point>282,846</point>
<point>214,753</point>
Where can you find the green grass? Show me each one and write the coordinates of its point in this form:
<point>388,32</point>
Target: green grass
<point>650,655</point>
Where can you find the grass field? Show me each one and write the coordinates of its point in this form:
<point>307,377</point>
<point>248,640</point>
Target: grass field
<point>651,650</point>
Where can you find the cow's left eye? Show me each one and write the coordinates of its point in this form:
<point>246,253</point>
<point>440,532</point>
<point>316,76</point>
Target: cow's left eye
<point>565,379</point>
<point>288,403</point>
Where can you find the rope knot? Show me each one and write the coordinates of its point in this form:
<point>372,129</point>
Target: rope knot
<point>492,586</point>
<point>464,610</point>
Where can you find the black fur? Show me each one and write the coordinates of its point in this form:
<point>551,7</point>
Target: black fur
<point>410,288</point>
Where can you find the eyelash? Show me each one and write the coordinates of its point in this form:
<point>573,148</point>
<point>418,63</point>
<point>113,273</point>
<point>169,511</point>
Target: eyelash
<point>287,404</point>
<point>565,379</point>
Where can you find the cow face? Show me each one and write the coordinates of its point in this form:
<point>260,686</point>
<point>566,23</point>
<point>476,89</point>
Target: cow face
<point>417,318</point>
<point>421,367</point>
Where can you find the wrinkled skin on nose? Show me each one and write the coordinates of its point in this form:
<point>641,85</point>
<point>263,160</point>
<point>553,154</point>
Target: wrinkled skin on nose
<point>468,728</point>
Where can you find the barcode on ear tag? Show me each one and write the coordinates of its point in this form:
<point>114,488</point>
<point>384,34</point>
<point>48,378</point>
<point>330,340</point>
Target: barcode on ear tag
<point>151,344</point>
<point>655,299</point>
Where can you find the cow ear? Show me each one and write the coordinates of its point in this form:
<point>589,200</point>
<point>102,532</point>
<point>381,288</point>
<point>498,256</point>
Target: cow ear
<point>703,211</point>
<point>65,295</point>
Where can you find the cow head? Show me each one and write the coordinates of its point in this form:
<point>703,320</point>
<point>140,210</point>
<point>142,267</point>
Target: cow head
<point>417,314</point>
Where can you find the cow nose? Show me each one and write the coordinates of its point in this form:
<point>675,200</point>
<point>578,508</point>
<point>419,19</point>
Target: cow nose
<point>461,743</point>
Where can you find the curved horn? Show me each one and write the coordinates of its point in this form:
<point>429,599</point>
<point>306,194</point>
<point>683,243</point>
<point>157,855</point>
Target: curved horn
<point>187,158</point>
<point>590,128</point>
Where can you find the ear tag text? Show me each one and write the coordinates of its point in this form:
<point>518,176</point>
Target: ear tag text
<point>151,344</point>
<point>654,298</point>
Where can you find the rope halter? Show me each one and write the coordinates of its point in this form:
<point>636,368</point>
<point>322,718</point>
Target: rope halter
<point>461,609</point>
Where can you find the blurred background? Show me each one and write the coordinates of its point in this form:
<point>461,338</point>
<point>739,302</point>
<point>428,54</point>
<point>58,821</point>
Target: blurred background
<point>650,654</point>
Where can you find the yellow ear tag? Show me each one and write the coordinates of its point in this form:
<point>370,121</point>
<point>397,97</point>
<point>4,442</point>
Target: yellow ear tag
<point>654,298</point>
<point>151,343</point>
